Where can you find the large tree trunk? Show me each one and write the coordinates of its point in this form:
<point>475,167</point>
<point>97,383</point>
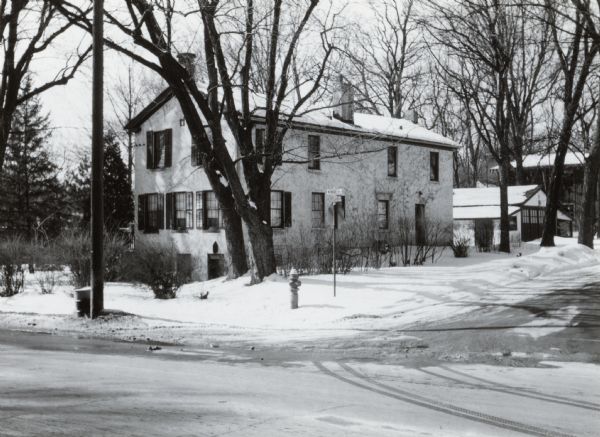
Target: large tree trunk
<point>261,240</point>
<point>504,219</point>
<point>234,237</point>
<point>588,214</point>
<point>553,195</point>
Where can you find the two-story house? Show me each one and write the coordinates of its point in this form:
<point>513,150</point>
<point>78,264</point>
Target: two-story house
<point>385,168</point>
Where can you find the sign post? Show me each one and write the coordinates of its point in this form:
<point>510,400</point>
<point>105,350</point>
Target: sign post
<point>334,197</point>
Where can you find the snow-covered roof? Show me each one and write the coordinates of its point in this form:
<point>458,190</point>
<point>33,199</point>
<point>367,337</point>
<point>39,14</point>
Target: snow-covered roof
<point>479,203</point>
<point>544,160</point>
<point>401,128</point>
<point>547,160</point>
<point>374,126</point>
<point>489,196</point>
<point>480,212</point>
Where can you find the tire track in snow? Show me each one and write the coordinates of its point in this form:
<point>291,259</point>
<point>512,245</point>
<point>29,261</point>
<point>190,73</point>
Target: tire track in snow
<point>495,386</point>
<point>431,404</point>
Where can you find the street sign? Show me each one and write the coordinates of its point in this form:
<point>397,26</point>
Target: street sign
<point>334,195</point>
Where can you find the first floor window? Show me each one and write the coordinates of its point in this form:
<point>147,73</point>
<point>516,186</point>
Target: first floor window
<point>383,214</point>
<point>150,212</point>
<point>208,211</point>
<point>281,209</point>
<point>512,224</point>
<point>318,210</point>
<point>180,207</point>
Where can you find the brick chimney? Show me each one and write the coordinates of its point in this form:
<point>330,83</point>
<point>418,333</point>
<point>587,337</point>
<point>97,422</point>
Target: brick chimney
<point>343,101</point>
<point>188,61</point>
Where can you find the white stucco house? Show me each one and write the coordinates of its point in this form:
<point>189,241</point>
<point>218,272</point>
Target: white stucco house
<point>407,171</point>
<point>473,207</point>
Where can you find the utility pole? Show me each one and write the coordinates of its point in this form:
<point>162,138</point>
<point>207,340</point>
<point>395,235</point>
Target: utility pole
<point>97,213</point>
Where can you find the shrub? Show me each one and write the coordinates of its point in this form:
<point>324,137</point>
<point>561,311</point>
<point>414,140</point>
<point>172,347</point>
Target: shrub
<point>46,280</point>
<point>460,245</point>
<point>74,248</point>
<point>13,252</point>
<point>155,265</point>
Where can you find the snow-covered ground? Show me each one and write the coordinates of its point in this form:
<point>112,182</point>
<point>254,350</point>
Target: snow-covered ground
<point>374,300</point>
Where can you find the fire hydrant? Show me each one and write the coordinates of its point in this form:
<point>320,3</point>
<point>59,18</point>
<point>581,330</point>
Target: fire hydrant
<point>294,285</point>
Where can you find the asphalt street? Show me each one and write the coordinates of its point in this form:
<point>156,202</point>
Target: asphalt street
<point>66,386</point>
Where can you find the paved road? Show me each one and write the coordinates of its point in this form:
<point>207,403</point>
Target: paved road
<point>58,386</point>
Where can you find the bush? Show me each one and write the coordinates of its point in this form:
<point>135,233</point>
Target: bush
<point>460,245</point>
<point>13,252</point>
<point>73,248</point>
<point>155,265</point>
<point>46,280</point>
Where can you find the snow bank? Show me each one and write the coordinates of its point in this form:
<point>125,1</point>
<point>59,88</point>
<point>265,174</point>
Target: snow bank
<point>389,298</point>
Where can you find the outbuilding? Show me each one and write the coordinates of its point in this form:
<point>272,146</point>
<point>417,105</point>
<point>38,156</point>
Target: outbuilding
<point>476,213</point>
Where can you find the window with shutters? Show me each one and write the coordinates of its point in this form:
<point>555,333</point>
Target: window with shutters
<point>281,209</point>
<point>150,212</point>
<point>318,210</point>
<point>180,209</point>
<point>209,215</point>
<point>314,152</point>
<point>392,161</point>
<point>434,166</point>
<point>159,149</point>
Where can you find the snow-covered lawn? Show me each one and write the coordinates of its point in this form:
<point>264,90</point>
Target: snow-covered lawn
<point>377,299</point>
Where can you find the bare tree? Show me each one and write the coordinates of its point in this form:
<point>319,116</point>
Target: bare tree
<point>27,29</point>
<point>575,51</point>
<point>384,59</point>
<point>127,97</point>
<point>226,103</point>
<point>479,37</point>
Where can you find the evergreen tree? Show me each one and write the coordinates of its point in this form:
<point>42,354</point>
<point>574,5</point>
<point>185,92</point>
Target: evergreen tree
<point>118,197</point>
<point>32,196</point>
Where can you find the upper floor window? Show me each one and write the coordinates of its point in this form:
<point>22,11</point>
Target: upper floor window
<point>392,167</point>
<point>281,209</point>
<point>196,157</point>
<point>180,211</point>
<point>159,147</point>
<point>318,210</point>
<point>150,212</point>
<point>259,143</point>
<point>434,166</point>
<point>314,152</point>
<point>383,214</point>
<point>209,214</point>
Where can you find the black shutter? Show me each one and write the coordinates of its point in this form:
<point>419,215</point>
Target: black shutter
<point>161,211</point>
<point>287,209</point>
<point>204,210</point>
<point>150,149</point>
<point>343,207</point>
<point>141,212</point>
<point>170,210</point>
<point>168,147</point>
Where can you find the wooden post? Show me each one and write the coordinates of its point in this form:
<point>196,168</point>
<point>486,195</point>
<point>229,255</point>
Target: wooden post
<point>97,206</point>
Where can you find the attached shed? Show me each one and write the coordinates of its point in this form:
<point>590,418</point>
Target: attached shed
<point>476,209</point>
